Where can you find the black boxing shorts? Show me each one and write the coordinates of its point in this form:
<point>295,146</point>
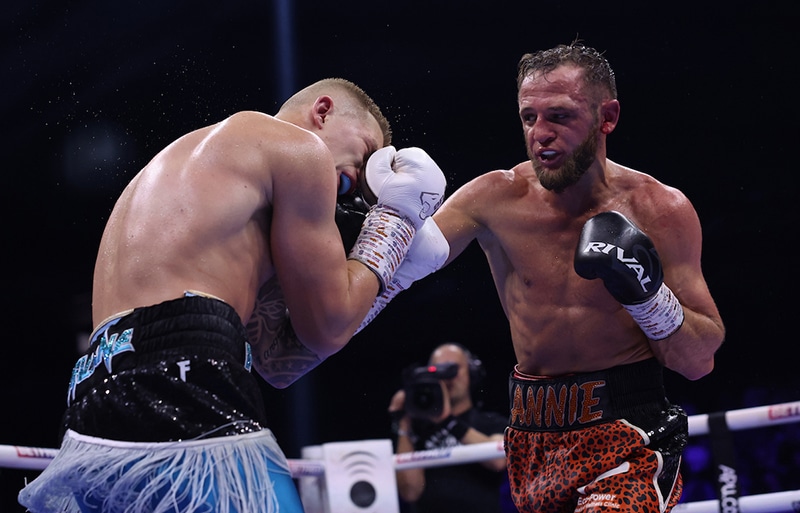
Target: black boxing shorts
<point>174,371</point>
<point>164,415</point>
<point>593,442</point>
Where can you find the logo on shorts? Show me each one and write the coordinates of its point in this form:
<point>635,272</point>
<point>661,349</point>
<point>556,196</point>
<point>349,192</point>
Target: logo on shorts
<point>106,350</point>
<point>556,406</point>
<point>597,500</point>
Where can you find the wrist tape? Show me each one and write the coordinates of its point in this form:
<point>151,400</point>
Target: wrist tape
<point>660,316</point>
<point>383,243</point>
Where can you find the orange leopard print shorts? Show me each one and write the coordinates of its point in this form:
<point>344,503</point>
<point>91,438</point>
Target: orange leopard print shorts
<point>590,443</point>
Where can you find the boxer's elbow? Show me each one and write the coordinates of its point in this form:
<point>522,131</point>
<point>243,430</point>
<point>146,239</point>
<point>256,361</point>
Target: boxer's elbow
<point>326,347</point>
<point>697,370</point>
<point>691,367</point>
<point>326,327</point>
<point>286,355</point>
<point>280,381</point>
<point>690,351</point>
<point>324,339</point>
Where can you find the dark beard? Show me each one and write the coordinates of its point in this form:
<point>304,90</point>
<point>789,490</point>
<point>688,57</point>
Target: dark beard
<point>574,168</point>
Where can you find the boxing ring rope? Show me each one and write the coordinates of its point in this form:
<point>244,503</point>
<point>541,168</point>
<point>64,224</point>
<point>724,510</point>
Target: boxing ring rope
<point>36,458</point>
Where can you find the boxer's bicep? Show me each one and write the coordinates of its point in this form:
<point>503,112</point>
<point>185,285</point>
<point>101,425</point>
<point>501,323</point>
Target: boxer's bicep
<point>326,296</point>
<point>456,223</point>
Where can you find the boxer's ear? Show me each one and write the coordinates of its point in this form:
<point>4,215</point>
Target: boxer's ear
<point>609,116</point>
<point>321,109</point>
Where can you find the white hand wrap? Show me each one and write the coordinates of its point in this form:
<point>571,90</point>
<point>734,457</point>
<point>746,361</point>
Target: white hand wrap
<point>660,316</point>
<point>427,254</point>
<point>383,243</point>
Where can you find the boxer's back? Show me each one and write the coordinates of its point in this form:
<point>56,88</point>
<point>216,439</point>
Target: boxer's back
<point>195,218</point>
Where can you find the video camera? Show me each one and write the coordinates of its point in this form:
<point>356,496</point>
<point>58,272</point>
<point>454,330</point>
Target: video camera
<point>423,388</point>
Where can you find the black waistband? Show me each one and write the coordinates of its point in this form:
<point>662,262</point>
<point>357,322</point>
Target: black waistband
<point>197,323</point>
<point>171,324</point>
<point>581,400</point>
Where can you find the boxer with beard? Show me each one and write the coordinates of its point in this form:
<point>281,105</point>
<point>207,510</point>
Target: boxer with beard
<point>597,267</point>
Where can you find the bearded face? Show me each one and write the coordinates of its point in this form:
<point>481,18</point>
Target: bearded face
<point>576,165</point>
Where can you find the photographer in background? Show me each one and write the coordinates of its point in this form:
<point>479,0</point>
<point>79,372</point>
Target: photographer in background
<point>435,409</point>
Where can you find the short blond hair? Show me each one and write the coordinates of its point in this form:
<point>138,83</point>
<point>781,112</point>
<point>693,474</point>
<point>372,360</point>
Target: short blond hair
<point>331,86</point>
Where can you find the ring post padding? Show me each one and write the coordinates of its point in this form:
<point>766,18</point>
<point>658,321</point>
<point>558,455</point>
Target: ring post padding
<point>312,490</point>
<point>725,461</point>
<point>359,478</point>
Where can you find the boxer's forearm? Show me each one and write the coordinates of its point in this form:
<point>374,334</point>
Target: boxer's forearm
<point>278,355</point>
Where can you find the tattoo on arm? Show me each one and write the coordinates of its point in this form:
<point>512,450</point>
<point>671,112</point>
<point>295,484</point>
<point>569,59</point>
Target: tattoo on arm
<point>279,357</point>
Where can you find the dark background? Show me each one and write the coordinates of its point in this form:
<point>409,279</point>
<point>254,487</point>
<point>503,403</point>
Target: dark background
<point>91,90</point>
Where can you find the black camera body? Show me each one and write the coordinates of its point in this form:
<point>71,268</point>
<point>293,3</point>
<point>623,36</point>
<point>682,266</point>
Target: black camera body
<point>423,388</point>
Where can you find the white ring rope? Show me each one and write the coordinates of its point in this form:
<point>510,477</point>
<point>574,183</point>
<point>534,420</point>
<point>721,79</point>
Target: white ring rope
<point>777,502</point>
<point>36,458</point>
<point>760,416</point>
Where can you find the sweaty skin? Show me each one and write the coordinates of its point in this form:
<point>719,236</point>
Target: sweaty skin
<point>226,210</point>
<point>561,323</point>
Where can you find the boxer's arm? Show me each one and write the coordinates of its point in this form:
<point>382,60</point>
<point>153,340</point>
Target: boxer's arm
<point>457,218</point>
<point>326,294</point>
<point>409,187</point>
<point>615,250</point>
<point>433,246</point>
<point>689,351</point>
<point>665,292</point>
<point>426,255</point>
<point>429,248</point>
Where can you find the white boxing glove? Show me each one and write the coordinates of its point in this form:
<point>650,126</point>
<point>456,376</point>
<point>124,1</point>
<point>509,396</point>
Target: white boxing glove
<point>408,181</point>
<point>410,188</point>
<point>428,252</point>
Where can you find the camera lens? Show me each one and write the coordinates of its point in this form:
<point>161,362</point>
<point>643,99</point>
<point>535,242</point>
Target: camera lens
<point>424,397</point>
<point>423,386</point>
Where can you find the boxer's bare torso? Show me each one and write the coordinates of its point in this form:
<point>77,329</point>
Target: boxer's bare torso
<point>203,216</point>
<point>561,323</point>
<point>197,218</point>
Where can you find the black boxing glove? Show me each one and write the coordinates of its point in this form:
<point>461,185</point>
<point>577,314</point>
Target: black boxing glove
<point>351,210</point>
<point>616,251</point>
<point>613,249</point>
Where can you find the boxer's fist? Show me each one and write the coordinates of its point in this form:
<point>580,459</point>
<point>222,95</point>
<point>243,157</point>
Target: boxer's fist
<point>613,249</point>
<point>408,181</point>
